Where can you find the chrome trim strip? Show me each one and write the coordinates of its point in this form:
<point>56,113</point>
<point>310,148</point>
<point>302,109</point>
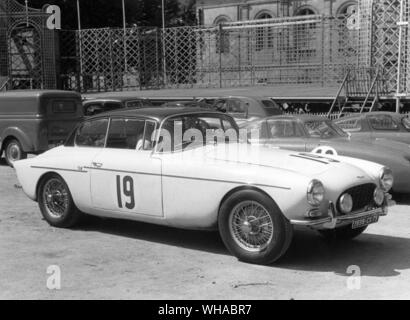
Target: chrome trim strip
<point>189,178</point>
<point>59,169</point>
<point>308,158</point>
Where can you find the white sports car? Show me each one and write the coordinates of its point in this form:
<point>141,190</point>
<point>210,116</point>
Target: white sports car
<point>156,166</point>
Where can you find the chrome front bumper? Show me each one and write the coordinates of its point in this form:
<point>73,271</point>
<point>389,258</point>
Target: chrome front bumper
<point>332,221</point>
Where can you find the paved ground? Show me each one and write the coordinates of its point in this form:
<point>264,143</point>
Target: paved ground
<point>118,259</point>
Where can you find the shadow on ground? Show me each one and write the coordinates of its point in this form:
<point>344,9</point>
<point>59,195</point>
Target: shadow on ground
<point>376,255</point>
<point>3,162</point>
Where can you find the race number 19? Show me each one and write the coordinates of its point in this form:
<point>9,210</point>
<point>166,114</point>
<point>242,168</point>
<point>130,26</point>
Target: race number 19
<point>125,187</point>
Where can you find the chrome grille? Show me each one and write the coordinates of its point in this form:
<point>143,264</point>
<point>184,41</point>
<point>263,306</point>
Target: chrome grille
<point>363,196</point>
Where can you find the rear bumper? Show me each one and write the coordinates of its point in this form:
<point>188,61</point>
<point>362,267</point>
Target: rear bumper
<point>333,221</point>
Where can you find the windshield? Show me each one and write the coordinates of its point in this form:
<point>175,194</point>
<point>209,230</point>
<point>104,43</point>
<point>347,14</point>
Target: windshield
<point>324,129</point>
<point>271,108</point>
<point>192,131</point>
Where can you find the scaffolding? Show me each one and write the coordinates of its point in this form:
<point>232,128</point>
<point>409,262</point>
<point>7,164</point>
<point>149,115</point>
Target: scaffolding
<point>27,48</point>
<point>292,50</point>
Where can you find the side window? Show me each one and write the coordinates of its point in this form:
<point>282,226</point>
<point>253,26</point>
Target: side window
<point>221,106</point>
<point>108,106</point>
<point>67,106</point>
<point>91,134</point>
<point>258,131</point>
<point>236,107</point>
<point>350,125</point>
<point>284,129</point>
<point>406,123</point>
<point>125,133</point>
<point>93,109</point>
<point>382,122</point>
<point>134,104</point>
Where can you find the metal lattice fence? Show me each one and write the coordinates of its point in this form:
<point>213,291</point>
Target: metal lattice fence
<point>292,50</point>
<point>311,50</point>
<point>384,41</point>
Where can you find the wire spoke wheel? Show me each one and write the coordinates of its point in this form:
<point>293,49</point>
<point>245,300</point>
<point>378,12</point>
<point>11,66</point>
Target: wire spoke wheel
<point>251,226</point>
<point>56,198</point>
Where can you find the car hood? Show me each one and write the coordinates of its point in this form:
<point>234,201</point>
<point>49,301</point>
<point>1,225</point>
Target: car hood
<point>306,164</point>
<point>375,146</point>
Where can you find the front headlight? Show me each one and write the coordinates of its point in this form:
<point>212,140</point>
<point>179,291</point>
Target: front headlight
<point>386,179</point>
<point>346,203</point>
<point>315,193</point>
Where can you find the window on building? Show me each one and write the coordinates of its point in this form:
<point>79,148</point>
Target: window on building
<point>264,36</point>
<point>350,12</point>
<point>305,37</point>
<point>222,36</point>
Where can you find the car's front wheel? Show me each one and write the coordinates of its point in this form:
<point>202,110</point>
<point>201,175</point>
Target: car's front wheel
<point>343,233</point>
<point>56,203</point>
<point>253,228</point>
<point>13,151</point>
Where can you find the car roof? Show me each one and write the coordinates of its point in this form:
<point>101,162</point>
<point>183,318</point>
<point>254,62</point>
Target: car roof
<point>113,99</point>
<point>302,117</point>
<point>38,93</point>
<point>159,113</point>
<point>380,113</point>
<point>244,97</point>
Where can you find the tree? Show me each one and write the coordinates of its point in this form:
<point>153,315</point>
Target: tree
<point>108,13</point>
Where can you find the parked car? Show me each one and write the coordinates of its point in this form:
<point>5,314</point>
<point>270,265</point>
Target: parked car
<point>305,133</point>
<point>377,125</point>
<point>99,105</point>
<point>245,109</point>
<point>187,104</point>
<point>154,165</point>
<point>34,121</point>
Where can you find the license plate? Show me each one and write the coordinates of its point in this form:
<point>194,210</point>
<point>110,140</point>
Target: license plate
<point>363,222</point>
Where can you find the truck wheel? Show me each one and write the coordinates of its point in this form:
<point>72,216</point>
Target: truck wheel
<point>253,228</point>
<point>56,203</point>
<point>13,152</point>
<point>343,233</point>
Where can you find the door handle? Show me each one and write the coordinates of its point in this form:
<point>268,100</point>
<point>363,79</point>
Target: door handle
<point>97,164</point>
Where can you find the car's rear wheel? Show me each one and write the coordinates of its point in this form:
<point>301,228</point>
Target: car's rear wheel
<point>56,203</point>
<point>343,233</point>
<point>253,228</point>
<point>13,151</point>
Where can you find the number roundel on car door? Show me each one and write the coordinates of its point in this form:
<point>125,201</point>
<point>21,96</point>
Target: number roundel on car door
<point>125,188</point>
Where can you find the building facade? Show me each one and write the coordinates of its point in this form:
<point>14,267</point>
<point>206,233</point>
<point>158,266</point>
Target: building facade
<point>212,12</point>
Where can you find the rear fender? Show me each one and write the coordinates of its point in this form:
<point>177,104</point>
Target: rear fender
<point>22,137</point>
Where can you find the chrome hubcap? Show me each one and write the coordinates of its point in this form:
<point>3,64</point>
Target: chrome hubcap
<point>55,197</point>
<point>251,226</point>
<point>13,152</point>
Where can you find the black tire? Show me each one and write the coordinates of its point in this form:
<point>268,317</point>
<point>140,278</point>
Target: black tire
<point>13,151</point>
<point>342,234</point>
<point>280,237</point>
<point>65,217</point>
